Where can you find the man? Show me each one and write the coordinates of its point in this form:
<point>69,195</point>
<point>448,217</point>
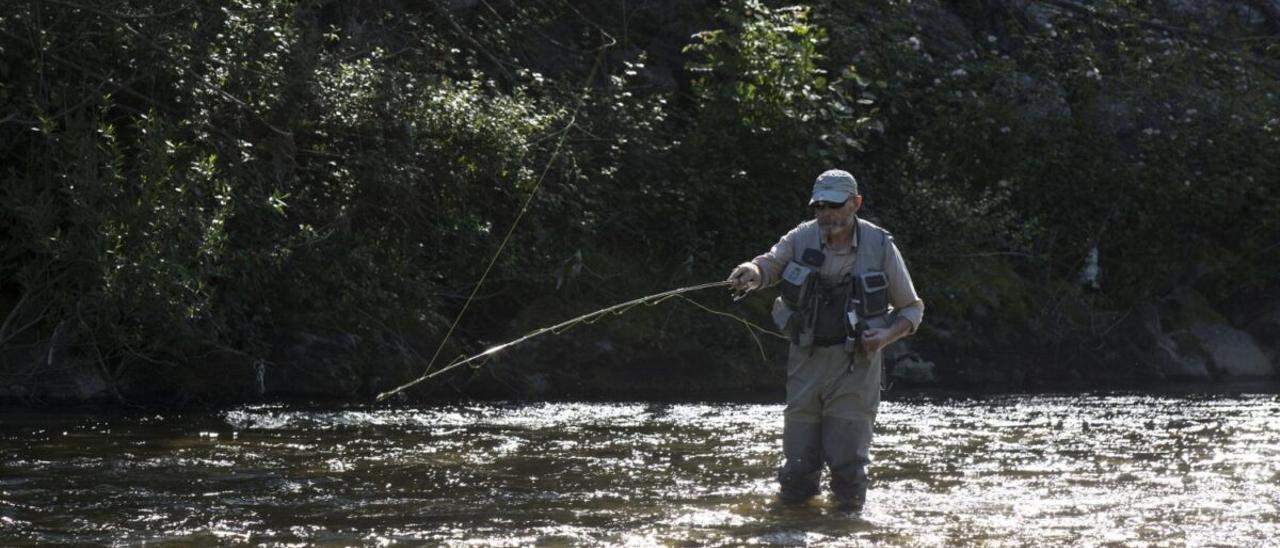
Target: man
<point>845,296</point>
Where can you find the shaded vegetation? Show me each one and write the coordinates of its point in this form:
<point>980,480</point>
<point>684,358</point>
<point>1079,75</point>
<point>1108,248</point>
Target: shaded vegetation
<point>193,192</point>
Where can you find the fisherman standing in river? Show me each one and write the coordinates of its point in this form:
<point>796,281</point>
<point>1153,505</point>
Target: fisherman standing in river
<point>845,296</point>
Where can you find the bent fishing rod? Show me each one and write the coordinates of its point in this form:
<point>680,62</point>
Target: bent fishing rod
<point>586,318</point>
<point>619,308</point>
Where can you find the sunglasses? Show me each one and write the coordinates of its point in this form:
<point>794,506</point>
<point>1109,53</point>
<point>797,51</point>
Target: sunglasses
<point>818,206</point>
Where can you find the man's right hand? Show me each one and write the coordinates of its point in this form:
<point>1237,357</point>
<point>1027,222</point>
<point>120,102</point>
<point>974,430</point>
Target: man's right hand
<point>745,278</point>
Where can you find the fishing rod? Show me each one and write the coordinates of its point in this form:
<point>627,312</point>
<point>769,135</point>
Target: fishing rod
<point>619,308</point>
<point>586,318</point>
<point>564,134</point>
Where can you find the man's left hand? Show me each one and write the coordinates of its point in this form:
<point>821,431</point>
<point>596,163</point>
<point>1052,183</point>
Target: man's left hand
<point>874,339</point>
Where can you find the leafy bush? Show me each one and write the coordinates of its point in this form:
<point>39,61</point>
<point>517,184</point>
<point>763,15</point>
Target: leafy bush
<point>195,182</point>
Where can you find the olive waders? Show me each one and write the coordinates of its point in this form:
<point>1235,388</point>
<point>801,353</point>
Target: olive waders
<point>833,386</point>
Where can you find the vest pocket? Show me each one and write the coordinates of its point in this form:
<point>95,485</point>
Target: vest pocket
<point>873,290</point>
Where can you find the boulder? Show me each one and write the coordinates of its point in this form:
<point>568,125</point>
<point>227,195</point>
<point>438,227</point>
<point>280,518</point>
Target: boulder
<point>1199,344</point>
<point>76,380</point>
<point>309,364</point>
<point>1190,307</point>
<point>1232,351</point>
<point>1266,331</point>
<point>53,371</point>
<point>1176,366</point>
<point>87,383</point>
<point>915,370</point>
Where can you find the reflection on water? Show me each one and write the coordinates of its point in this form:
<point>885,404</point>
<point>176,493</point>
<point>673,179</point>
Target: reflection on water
<point>1010,470</point>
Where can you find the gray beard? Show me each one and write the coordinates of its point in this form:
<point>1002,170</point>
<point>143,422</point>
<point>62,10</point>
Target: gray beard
<point>829,228</point>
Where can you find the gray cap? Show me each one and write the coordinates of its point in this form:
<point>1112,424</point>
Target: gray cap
<point>834,185</point>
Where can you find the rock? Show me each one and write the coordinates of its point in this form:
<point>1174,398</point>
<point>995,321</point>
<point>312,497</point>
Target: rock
<point>56,372</point>
<point>895,352</point>
<point>1190,307</point>
<point>73,380</point>
<point>1266,331</point>
<point>311,364</point>
<point>1175,366</point>
<point>1200,345</point>
<point>1232,351</point>
<point>914,370</point>
<point>1157,351</point>
<point>1149,330</point>
<point>88,382</point>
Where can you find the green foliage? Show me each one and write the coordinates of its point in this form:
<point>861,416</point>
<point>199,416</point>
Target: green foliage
<point>769,118</point>
<point>246,177</point>
<point>1041,133</point>
<point>764,68</point>
<point>194,179</point>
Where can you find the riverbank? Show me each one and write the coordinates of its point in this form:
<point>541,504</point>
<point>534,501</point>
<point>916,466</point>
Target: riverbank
<point>679,351</point>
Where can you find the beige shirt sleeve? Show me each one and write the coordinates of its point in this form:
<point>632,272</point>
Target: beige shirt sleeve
<point>902,293</point>
<point>775,260</point>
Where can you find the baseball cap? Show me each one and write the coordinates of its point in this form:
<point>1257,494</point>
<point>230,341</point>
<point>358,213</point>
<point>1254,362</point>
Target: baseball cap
<point>834,185</point>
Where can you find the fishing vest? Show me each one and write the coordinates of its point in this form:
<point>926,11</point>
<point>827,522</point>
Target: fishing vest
<point>813,307</point>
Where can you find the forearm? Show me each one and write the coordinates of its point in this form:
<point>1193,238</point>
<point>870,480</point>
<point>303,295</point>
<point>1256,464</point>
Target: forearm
<point>912,313</point>
<point>770,269</point>
<point>902,293</point>
<point>900,329</point>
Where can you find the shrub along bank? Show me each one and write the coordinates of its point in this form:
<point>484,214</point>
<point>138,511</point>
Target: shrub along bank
<point>211,203</point>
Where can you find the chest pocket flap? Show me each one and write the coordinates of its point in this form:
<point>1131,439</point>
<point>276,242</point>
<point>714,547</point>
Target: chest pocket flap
<point>873,293</point>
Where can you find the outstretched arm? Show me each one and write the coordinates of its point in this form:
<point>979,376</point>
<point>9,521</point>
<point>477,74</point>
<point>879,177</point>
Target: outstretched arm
<point>764,269</point>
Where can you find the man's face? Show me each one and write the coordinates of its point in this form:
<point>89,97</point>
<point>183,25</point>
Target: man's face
<point>836,218</point>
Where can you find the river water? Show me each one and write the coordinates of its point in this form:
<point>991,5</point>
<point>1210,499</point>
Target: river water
<point>1115,469</point>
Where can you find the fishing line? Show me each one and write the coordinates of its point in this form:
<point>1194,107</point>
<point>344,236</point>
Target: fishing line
<point>592,317</point>
<point>751,326</point>
<point>573,119</point>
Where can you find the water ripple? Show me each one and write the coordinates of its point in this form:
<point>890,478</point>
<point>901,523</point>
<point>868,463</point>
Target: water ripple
<point>1010,470</point>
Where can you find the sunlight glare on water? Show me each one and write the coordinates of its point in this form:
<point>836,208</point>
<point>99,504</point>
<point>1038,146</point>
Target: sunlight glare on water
<point>998,470</point>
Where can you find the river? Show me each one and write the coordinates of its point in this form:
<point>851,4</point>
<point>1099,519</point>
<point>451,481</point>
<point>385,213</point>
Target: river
<point>1105,468</point>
